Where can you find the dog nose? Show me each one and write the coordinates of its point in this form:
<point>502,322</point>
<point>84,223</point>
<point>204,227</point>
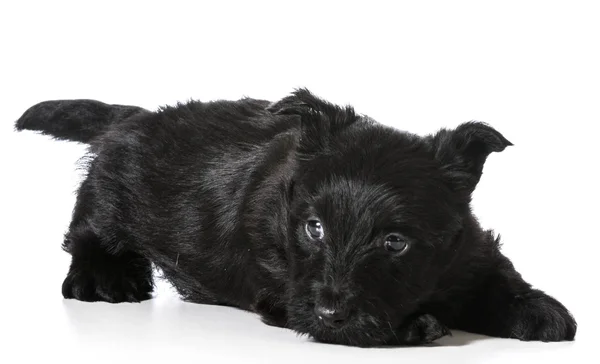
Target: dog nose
<point>331,317</point>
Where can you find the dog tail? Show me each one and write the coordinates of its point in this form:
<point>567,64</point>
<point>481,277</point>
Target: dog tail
<point>74,120</point>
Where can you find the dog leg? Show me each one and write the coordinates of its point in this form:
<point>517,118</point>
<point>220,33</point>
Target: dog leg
<point>100,269</point>
<point>504,305</point>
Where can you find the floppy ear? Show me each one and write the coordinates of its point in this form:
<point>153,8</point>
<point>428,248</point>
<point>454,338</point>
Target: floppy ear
<point>315,113</point>
<point>464,150</point>
<point>300,101</point>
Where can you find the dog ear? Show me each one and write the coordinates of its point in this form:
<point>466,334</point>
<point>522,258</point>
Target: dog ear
<point>464,150</point>
<point>315,113</point>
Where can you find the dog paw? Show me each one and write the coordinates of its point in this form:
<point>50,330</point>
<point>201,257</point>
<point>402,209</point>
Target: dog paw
<point>420,330</point>
<point>270,314</point>
<point>112,286</point>
<point>539,317</point>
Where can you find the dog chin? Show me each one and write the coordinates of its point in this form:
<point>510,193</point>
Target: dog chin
<point>364,330</point>
<point>353,335</point>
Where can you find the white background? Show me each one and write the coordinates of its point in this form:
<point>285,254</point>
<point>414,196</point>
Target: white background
<point>531,69</point>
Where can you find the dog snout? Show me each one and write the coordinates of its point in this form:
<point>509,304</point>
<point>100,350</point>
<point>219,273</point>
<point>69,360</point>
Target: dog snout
<point>332,317</point>
<point>332,307</point>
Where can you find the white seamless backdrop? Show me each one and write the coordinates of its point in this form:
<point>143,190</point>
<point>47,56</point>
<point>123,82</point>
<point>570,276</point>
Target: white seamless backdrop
<point>529,68</point>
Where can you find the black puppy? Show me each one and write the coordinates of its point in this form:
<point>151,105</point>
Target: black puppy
<point>318,219</point>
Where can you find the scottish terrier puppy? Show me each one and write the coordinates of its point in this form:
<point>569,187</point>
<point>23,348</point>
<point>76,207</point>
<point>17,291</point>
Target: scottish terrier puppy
<point>317,218</point>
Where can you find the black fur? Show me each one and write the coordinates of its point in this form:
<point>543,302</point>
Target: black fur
<point>218,195</point>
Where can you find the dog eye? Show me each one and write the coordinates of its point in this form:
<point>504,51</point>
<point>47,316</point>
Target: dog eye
<point>314,230</point>
<point>396,243</point>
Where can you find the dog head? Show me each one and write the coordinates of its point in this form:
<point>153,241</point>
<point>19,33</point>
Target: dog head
<point>375,213</point>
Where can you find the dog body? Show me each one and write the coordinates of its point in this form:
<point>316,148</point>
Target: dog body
<point>316,218</point>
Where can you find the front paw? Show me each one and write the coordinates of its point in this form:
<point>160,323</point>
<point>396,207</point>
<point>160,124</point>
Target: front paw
<point>92,286</point>
<point>124,278</point>
<point>539,317</point>
<point>420,330</point>
<point>270,314</point>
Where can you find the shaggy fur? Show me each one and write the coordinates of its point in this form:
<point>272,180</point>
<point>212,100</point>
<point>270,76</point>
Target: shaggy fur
<point>316,218</point>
